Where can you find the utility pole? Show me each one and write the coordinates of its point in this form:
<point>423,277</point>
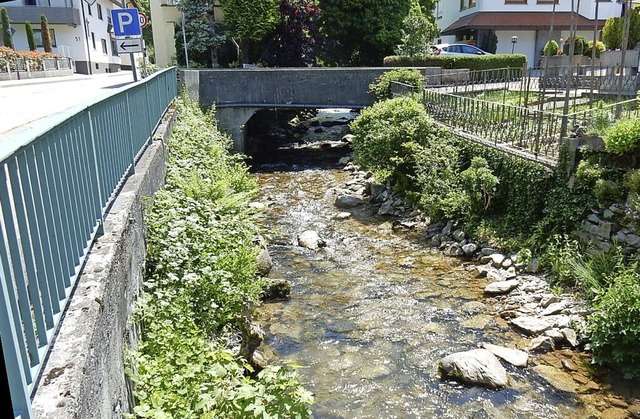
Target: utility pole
<point>572,48</point>
<point>593,54</point>
<point>184,40</point>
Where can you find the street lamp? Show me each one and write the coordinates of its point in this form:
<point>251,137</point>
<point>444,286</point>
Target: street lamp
<point>514,41</point>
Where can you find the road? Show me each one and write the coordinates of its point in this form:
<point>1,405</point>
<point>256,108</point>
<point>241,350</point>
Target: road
<point>24,102</point>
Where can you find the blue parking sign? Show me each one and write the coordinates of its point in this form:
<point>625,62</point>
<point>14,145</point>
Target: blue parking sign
<point>126,22</point>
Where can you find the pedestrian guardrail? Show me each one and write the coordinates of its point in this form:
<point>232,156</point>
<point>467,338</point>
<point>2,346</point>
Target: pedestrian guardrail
<point>56,183</point>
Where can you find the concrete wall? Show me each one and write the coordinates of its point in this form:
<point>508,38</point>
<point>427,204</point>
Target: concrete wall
<point>84,376</point>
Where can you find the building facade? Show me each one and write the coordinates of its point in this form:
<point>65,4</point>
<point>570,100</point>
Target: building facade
<point>529,20</point>
<point>79,29</point>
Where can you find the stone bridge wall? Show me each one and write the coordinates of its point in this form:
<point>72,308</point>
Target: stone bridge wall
<point>238,93</point>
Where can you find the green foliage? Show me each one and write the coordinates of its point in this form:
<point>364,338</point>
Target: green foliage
<point>363,32</point>
<point>490,42</point>
<point>580,44</point>
<point>600,122</point>
<point>588,51</point>
<point>381,88</point>
<point>417,32</point>
<point>204,36</point>
<point>559,252</point>
<point>46,35</point>
<point>382,131</point>
<point>31,37</point>
<point>201,274</point>
<point>249,20</point>
<point>6,37</point>
<point>472,62</point>
<point>550,48</point>
<point>613,27</point>
<point>632,181</point>
<point>480,184</point>
<point>612,32</point>
<point>588,173</point>
<point>623,137</point>
<point>607,191</point>
<point>614,325</point>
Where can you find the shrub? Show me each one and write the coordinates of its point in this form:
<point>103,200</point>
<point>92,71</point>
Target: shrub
<point>632,181</point>
<point>589,49</point>
<point>550,48</point>
<point>623,137</point>
<point>580,44</point>
<point>381,88</point>
<point>490,42</point>
<point>7,40</point>
<point>472,62</point>
<point>46,35</point>
<point>614,325</point>
<point>607,191</point>
<point>382,131</point>
<point>34,58</point>
<point>480,184</point>
<point>31,38</point>
<point>588,173</point>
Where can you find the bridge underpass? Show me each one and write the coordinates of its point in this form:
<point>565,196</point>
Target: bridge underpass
<point>238,93</point>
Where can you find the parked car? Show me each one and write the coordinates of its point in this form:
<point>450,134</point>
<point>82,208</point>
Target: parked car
<point>457,49</point>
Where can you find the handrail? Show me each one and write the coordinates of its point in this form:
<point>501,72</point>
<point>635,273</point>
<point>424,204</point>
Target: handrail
<point>57,180</point>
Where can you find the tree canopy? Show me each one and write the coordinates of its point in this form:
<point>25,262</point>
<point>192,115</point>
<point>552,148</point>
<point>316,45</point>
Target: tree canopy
<point>202,38</point>
<point>249,20</point>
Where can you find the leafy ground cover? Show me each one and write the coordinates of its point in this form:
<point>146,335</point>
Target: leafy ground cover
<point>201,276</point>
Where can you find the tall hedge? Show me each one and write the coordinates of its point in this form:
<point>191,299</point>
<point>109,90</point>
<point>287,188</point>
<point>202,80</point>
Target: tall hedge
<point>472,62</point>
<point>6,36</point>
<point>31,37</point>
<point>46,35</point>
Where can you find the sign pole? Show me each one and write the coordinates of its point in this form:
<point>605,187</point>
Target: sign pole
<point>131,57</point>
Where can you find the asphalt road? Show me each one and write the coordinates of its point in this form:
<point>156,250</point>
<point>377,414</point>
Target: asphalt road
<point>26,101</point>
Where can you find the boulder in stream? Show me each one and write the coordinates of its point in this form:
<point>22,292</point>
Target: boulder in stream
<point>514,357</point>
<point>310,239</point>
<point>531,325</point>
<point>348,201</point>
<point>502,287</point>
<point>265,264</point>
<point>478,367</point>
<point>276,290</point>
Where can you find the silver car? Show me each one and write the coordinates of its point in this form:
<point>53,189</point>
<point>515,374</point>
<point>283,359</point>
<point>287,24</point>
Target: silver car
<point>457,49</point>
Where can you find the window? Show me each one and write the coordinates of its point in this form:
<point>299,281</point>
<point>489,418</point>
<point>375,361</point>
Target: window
<point>104,46</point>
<point>114,47</point>
<point>515,1</point>
<point>93,40</point>
<point>100,12</point>
<point>38,35</point>
<point>466,4</point>
<point>89,9</point>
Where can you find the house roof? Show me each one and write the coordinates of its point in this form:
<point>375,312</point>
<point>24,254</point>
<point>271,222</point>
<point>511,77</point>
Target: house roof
<point>518,21</point>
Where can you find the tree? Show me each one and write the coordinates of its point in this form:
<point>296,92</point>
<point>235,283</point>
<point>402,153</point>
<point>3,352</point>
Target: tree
<point>612,31</point>
<point>490,42</point>
<point>294,41</point>
<point>46,35</point>
<point>363,32</point>
<point>203,39</point>
<point>248,21</point>
<point>7,41</point>
<point>417,32</point>
<point>31,37</point>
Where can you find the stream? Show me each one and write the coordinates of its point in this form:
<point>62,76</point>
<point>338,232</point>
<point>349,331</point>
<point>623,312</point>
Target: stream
<point>373,311</point>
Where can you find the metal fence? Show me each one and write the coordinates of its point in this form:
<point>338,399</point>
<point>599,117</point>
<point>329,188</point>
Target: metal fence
<point>55,186</point>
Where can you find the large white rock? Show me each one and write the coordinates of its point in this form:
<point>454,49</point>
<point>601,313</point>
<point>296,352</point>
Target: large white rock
<point>512,356</point>
<point>531,325</point>
<point>478,366</point>
<point>501,287</point>
<point>348,201</point>
<point>310,239</point>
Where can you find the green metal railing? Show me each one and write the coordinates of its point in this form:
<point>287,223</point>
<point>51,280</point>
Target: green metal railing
<point>56,182</point>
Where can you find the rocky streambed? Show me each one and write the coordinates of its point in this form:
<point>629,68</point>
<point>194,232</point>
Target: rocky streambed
<point>393,316</point>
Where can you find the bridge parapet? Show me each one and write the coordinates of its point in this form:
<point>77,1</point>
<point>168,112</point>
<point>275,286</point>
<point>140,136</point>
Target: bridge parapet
<point>252,89</point>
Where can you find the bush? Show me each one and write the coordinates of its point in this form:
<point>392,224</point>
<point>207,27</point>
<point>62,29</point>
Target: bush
<point>614,325</point>
<point>382,131</point>
<point>480,184</point>
<point>623,137</point>
<point>632,181</point>
<point>580,44</point>
<point>589,49</point>
<point>588,173</point>
<point>472,62</point>
<point>550,48</point>
<point>607,191</point>
<point>381,88</point>
<point>34,58</point>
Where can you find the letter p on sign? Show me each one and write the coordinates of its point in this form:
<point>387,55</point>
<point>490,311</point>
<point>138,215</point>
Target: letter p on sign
<point>126,22</point>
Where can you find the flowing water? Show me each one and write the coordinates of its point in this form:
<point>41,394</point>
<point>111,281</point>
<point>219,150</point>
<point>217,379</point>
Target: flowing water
<point>373,312</point>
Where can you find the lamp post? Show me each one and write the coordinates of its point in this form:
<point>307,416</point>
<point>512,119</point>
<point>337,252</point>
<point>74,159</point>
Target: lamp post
<point>514,41</point>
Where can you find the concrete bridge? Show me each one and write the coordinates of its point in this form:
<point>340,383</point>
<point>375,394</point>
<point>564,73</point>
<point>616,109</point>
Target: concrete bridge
<point>239,93</point>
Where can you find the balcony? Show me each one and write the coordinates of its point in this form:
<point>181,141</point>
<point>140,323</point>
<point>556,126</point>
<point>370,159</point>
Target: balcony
<point>59,14</point>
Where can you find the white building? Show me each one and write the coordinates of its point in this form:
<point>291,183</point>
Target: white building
<point>80,29</point>
<point>528,20</point>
